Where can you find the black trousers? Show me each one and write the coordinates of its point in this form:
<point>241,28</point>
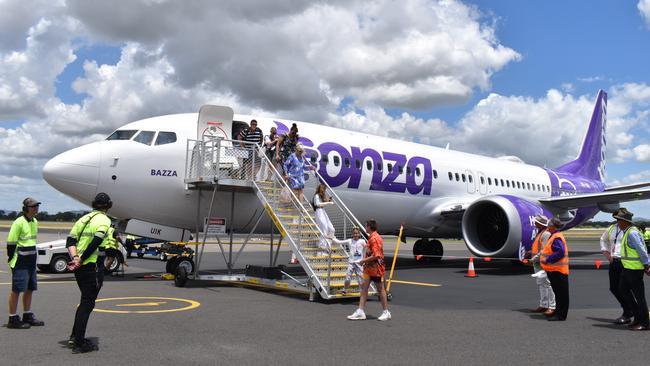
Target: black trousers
<point>560,285</point>
<point>633,291</point>
<point>87,278</point>
<point>615,270</point>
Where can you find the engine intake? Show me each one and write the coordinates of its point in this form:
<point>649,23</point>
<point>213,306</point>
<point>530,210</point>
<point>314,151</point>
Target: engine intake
<point>495,226</point>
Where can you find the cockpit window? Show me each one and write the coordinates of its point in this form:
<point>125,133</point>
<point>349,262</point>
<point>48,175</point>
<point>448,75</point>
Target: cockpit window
<point>122,135</point>
<point>165,138</point>
<point>144,137</point>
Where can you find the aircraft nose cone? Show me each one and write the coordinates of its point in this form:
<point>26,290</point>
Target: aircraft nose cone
<point>75,172</point>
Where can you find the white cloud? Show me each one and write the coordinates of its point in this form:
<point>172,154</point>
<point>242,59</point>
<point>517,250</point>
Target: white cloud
<point>642,153</point>
<point>644,9</point>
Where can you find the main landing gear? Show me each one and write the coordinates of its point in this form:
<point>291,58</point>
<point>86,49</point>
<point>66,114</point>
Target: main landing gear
<point>431,251</point>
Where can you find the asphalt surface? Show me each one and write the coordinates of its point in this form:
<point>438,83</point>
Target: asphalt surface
<point>466,321</point>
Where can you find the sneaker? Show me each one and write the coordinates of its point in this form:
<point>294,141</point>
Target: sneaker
<point>15,323</point>
<point>357,315</point>
<point>30,319</point>
<point>385,315</point>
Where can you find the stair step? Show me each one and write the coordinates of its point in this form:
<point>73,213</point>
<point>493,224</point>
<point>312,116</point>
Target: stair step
<point>325,266</point>
<point>325,257</point>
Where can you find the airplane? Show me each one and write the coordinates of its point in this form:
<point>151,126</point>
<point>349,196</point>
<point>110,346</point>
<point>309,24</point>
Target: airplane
<point>437,193</point>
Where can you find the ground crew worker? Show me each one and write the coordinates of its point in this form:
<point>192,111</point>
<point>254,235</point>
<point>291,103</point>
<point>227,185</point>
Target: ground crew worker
<point>86,236</point>
<point>21,255</point>
<point>610,246</point>
<point>546,295</point>
<point>646,236</point>
<point>129,244</point>
<point>635,262</point>
<point>555,261</point>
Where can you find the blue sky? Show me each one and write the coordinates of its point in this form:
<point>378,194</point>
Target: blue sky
<point>90,67</point>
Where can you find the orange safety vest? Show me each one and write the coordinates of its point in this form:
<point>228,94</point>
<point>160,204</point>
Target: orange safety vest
<point>562,265</point>
<point>537,242</point>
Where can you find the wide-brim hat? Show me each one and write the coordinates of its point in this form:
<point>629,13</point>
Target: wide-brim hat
<point>624,214</point>
<point>541,220</point>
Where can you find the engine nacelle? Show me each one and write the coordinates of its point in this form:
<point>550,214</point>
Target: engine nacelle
<point>496,226</point>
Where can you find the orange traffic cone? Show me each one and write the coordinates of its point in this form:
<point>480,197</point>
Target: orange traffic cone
<point>470,269</point>
<point>597,262</point>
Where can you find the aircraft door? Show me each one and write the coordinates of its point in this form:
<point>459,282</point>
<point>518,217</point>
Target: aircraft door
<point>470,181</point>
<point>214,122</point>
<point>482,183</point>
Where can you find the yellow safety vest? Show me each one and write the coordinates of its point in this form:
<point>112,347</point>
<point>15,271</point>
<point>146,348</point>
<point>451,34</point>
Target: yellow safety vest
<point>109,240</point>
<point>86,228</point>
<point>23,235</point>
<point>629,256</point>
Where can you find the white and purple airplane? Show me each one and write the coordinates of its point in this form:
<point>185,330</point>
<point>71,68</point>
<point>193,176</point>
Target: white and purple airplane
<point>437,193</point>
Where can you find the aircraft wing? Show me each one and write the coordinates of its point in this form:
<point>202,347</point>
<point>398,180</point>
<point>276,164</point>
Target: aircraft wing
<point>597,199</point>
<point>627,186</point>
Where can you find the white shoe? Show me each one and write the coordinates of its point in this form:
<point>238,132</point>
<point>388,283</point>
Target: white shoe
<point>357,315</point>
<point>385,315</point>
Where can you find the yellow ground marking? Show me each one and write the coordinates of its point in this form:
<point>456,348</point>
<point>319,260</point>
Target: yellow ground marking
<point>144,304</point>
<point>417,283</point>
<point>42,276</point>
<point>191,305</point>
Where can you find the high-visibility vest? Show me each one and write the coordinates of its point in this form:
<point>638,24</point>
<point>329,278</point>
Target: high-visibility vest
<point>537,243</point>
<point>85,229</point>
<point>562,265</point>
<point>646,235</point>
<point>629,256</point>
<point>109,240</point>
<point>23,235</point>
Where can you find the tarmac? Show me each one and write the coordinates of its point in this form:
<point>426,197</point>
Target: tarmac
<point>144,320</point>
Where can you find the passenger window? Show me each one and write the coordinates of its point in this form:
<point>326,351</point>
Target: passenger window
<point>347,162</point>
<point>380,167</point>
<point>390,167</point>
<point>508,183</point>
<point>336,160</point>
<point>357,163</point>
<point>313,159</point>
<point>518,186</point>
<point>368,164</point>
<point>144,137</point>
<point>165,138</point>
<point>400,169</point>
<point>528,186</point>
<point>417,171</point>
<point>325,159</point>
<point>471,180</point>
<point>457,177</point>
<point>489,181</point>
<point>451,176</point>
<point>482,180</point>
<point>435,174</point>
<point>463,176</point>
<point>539,188</point>
<point>502,183</point>
<point>122,135</point>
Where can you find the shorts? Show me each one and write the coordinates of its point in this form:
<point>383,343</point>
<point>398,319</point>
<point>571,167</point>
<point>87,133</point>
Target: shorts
<point>354,269</point>
<point>375,279</point>
<point>23,279</point>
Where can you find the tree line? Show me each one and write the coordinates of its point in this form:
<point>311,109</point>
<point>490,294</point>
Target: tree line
<point>68,216</point>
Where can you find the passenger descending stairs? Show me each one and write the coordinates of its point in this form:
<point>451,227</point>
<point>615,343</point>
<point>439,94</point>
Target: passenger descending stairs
<point>325,266</point>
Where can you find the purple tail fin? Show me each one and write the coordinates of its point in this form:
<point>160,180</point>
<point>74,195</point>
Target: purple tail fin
<point>590,163</point>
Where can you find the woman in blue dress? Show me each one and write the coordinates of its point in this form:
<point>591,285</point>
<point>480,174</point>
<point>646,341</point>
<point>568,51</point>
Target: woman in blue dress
<point>294,168</point>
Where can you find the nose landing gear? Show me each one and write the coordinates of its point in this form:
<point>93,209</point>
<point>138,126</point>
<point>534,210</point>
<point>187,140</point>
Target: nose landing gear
<point>430,250</point>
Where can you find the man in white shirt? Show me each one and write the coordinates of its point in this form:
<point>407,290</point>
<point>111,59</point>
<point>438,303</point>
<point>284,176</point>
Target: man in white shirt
<point>610,246</point>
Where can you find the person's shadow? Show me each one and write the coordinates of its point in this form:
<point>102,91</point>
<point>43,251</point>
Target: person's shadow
<point>607,323</point>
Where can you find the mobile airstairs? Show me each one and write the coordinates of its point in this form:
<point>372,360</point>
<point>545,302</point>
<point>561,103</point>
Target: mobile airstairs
<point>221,167</point>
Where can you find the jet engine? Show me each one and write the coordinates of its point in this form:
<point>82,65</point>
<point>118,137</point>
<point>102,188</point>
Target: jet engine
<point>494,226</point>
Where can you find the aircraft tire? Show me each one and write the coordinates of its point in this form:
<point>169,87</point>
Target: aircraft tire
<point>171,265</point>
<point>187,264</point>
<point>180,279</point>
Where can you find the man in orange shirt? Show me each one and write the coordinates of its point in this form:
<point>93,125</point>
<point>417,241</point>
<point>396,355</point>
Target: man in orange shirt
<point>373,270</point>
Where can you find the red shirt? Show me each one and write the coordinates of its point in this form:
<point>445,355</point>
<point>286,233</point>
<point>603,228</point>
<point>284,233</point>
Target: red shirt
<point>375,248</point>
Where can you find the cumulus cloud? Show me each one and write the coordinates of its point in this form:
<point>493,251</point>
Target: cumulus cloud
<point>644,9</point>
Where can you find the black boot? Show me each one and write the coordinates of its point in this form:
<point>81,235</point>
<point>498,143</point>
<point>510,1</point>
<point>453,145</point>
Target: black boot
<point>15,323</point>
<point>85,347</point>
<point>30,319</point>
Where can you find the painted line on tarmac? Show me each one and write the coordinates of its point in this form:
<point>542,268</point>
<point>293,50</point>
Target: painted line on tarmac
<point>417,283</point>
<point>156,302</point>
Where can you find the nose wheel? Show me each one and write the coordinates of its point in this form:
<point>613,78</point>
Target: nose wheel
<point>428,251</point>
